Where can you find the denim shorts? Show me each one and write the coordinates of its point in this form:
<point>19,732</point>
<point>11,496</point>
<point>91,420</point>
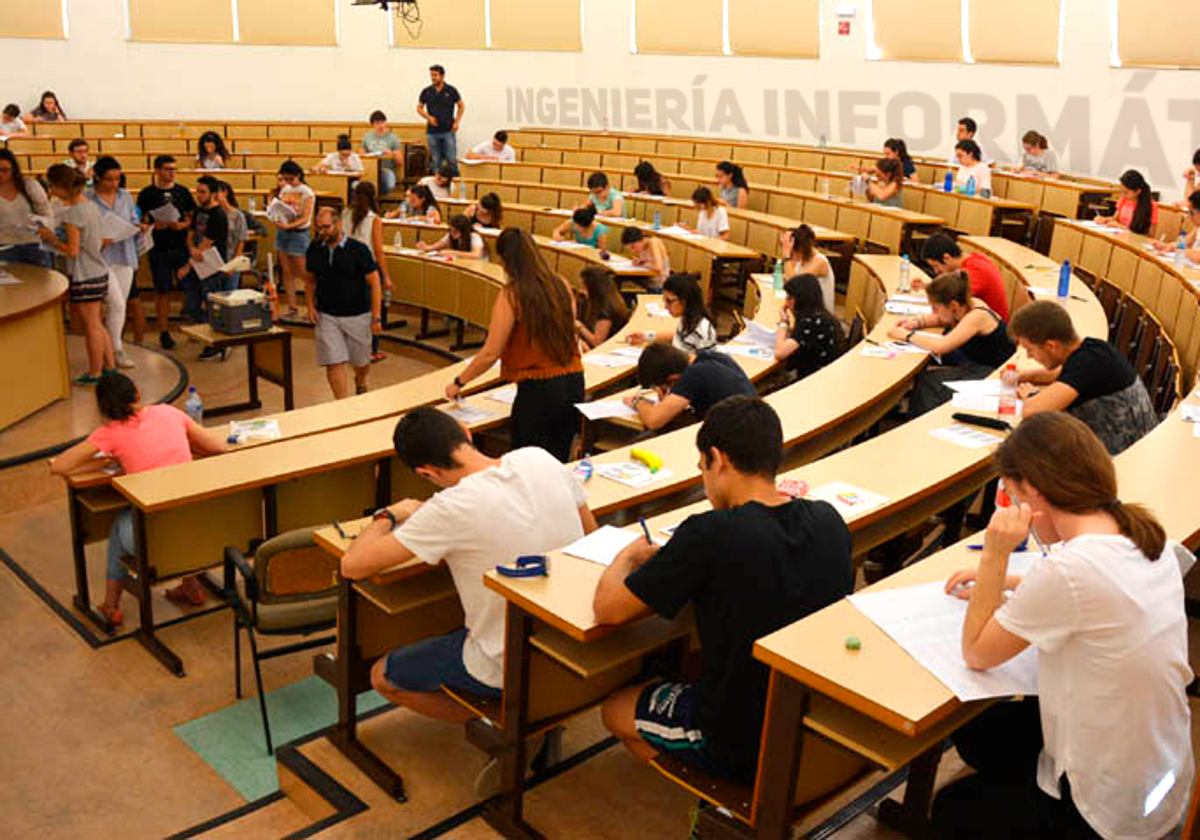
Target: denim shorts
<point>432,663</point>
<point>292,242</point>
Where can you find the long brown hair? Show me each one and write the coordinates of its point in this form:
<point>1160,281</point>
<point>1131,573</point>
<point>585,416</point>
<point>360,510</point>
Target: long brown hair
<point>951,287</point>
<point>603,297</point>
<point>1060,456</point>
<point>362,202</point>
<point>539,296</point>
<point>804,243</point>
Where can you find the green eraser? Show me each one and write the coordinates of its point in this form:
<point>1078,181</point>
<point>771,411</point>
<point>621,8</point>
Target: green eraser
<point>853,643</point>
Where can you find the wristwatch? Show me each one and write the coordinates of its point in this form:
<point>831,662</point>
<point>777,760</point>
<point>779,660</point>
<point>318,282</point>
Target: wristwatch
<point>384,513</point>
<point>637,398</point>
<point>911,333</point>
<point>459,382</point>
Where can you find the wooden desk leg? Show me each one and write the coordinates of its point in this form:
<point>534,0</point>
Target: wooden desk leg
<point>505,812</point>
<point>82,598</point>
<point>779,763</point>
<point>252,374</point>
<point>344,734</point>
<point>911,816</point>
<point>145,632</point>
<point>288,393</point>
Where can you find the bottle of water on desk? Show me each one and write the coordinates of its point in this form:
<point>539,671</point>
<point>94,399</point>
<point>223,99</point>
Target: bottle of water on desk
<point>1181,249</point>
<point>404,209</point>
<point>971,185</point>
<point>658,219</point>
<point>777,279</point>
<point>193,407</point>
<point>1008,394</point>
<point>948,183</point>
<point>1064,279</point>
<point>253,204</point>
<point>905,284</point>
<point>823,187</point>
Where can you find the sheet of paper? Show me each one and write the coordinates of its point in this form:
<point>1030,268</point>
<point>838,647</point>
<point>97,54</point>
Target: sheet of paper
<point>977,387</point>
<point>905,347</point>
<point>608,360</point>
<point>632,473</point>
<point>167,214</point>
<point>927,623</point>
<point>898,308</point>
<point>467,414</point>
<point>967,436</point>
<point>569,243</point>
<point>682,233</point>
<point>877,352</point>
<point>602,545</point>
<point>246,430</point>
<point>277,211</point>
<point>849,501</point>
<point>975,402</point>
<point>910,298</point>
<point>144,243</point>
<point>210,263</point>
<point>503,395</point>
<point>756,333</point>
<point>749,351</point>
<point>657,310</point>
<point>1043,291</point>
<point>114,228</point>
<point>1191,413</point>
<point>606,409</point>
<point>628,352</point>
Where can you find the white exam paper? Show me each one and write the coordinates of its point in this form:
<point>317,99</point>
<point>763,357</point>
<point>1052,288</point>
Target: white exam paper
<point>965,436</point>
<point>210,263</point>
<point>167,214</point>
<point>631,473</point>
<point>503,395</point>
<point>602,545</point>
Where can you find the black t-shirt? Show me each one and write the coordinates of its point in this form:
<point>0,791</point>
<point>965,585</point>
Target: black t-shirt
<point>341,275</point>
<point>441,107</point>
<point>1096,369</point>
<point>749,571</point>
<point>211,223</point>
<point>709,379</point>
<point>821,341</point>
<point>151,198</point>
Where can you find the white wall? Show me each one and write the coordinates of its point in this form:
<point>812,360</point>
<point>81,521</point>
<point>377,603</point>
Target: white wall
<point>1112,118</point>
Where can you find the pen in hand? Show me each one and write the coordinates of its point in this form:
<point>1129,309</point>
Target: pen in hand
<point>645,530</point>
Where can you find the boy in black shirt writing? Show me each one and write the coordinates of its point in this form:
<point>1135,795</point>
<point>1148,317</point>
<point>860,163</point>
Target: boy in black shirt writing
<point>755,563</point>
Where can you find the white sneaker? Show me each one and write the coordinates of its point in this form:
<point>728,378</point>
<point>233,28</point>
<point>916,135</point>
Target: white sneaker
<point>125,362</point>
<point>487,783</point>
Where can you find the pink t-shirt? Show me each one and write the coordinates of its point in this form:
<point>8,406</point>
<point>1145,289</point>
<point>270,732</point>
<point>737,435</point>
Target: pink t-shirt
<point>154,437</point>
<point>1125,208</point>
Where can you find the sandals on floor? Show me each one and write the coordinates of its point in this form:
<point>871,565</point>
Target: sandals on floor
<point>181,595</point>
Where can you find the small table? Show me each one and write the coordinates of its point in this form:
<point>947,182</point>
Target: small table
<point>268,356</point>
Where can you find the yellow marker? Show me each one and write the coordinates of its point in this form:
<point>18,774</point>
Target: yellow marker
<point>648,458</point>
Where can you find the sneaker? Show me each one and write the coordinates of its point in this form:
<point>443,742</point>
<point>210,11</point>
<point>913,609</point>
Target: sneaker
<point>125,362</point>
<point>209,353</point>
<point>487,783</point>
<point>164,339</point>
<point>87,379</point>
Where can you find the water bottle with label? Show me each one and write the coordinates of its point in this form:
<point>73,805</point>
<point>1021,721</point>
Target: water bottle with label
<point>905,285</point>
<point>193,406</point>
<point>403,209</point>
<point>1008,394</point>
<point>658,220</point>
<point>777,278</point>
<point>1181,250</point>
<point>971,185</point>
<point>948,183</point>
<point>1064,279</point>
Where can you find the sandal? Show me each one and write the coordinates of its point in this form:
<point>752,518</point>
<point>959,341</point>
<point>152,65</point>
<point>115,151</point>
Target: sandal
<point>183,594</point>
<point>378,357</point>
<point>112,615</point>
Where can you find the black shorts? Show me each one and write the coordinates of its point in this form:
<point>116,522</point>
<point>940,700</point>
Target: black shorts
<point>163,267</point>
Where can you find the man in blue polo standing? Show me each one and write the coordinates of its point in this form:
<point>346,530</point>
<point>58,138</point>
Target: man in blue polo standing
<point>442,108</point>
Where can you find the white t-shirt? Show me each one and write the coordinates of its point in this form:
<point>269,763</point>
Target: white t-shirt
<point>365,230</point>
<point>439,192</point>
<point>713,224</point>
<point>703,337</point>
<point>981,172</point>
<point>527,505</point>
<point>15,227</point>
<point>7,129</point>
<point>1112,642</point>
<point>335,163</point>
<point>487,150</point>
<point>306,195</point>
<point>823,271</point>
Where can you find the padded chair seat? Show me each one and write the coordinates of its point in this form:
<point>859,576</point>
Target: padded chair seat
<point>280,618</point>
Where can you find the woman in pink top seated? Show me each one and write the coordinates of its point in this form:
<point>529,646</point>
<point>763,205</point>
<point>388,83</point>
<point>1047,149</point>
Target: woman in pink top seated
<point>1137,210</point>
<point>139,438</point>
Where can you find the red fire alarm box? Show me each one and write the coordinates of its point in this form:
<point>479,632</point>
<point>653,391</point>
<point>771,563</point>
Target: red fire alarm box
<point>843,27</point>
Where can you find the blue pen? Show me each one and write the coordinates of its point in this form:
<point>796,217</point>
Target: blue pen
<point>645,530</point>
<point>975,547</point>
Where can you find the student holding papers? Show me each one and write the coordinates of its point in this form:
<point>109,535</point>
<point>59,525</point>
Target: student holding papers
<point>685,380</point>
<point>755,563</point>
<point>808,336</point>
<point>169,205</point>
<point>120,225</point>
<point>21,199</point>
<point>1112,757</point>
<point>293,236</point>
<point>1087,377</point>
<point>542,507</point>
<point>207,241</point>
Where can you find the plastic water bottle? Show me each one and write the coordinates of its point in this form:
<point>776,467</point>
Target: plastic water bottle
<point>824,187</point>
<point>948,183</point>
<point>462,189</point>
<point>971,185</point>
<point>658,220</point>
<point>821,143</point>
<point>905,285</point>
<point>193,407</point>
<point>1064,279</point>
<point>777,279</point>
<point>253,204</point>
<point>1181,249</point>
<point>1008,396</point>
<point>403,209</point>
<point>398,240</point>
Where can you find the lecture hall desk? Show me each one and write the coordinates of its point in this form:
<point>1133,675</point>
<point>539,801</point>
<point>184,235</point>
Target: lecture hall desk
<point>31,330</point>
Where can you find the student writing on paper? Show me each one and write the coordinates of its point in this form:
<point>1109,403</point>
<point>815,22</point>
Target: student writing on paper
<point>1137,211</point>
<point>542,507</point>
<point>421,206</point>
<point>755,563</point>
<point>685,380</point>
<point>604,311</point>
<point>1111,755</point>
<point>1037,158</point>
<point>606,199</point>
<point>460,238</point>
<point>712,219</point>
<point>583,228</point>
<point>732,186</point>
<point>650,181</point>
<point>808,336</point>
<point>170,251</point>
<point>342,159</point>
<point>211,152</point>
<point>943,255</point>
<point>11,124</point>
<point>496,149</point>
<point>1087,377</point>
<point>440,182</point>
<point>21,199</point>
<point>972,344</point>
<point>487,212</point>
<point>139,438</point>
<point>1192,249</point>
<point>798,249</point>
<point>683,299</point>
<point>648,251</point>
<point>121,255</point>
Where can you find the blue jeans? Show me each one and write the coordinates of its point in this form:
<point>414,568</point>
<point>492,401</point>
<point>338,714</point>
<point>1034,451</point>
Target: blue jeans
<point>29,253</point>
<point>120,544</point>
<point>230,282</point>
<point>443,148</point>
<point>387,179</point>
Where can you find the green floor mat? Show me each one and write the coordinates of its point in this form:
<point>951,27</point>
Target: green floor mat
<point>232,742</point>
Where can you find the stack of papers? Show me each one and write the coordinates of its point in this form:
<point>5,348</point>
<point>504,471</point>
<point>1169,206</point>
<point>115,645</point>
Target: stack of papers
<point>247,430</point>
<point>466,414</point>
<point>169,214</point>
<point>277,212</point>
<point>965,436</point>
<point>602,545</point>
<point>116,229</point>
<point>503,395</point>
<point>927,623</point>
<point>210,263</point>
<point>631,473</point>
<point>850,502</point>
<point>756,333</point>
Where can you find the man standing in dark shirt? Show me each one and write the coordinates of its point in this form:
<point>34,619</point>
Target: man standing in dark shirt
<point>344,302</point>
<point>757,562</point>
<point>685,380</point>
<point>170,251</point>
<point>442,108</point>
<point>210,230</point>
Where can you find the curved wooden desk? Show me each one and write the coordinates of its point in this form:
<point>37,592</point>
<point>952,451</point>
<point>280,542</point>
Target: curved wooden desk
<point>33,342</point>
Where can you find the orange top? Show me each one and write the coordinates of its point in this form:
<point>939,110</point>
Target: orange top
<point>522,359</point>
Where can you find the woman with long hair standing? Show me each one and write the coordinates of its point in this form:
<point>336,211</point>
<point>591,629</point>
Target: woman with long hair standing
<point>20,199</point>
<point>361,221</point>
<point>1105,750</point>
<point>292,238</point>
<point>532,332</point>
<point>121,256</point>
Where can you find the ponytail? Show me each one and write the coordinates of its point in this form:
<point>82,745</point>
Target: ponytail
<point>1138,523</point>
<point>1143,213</point>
